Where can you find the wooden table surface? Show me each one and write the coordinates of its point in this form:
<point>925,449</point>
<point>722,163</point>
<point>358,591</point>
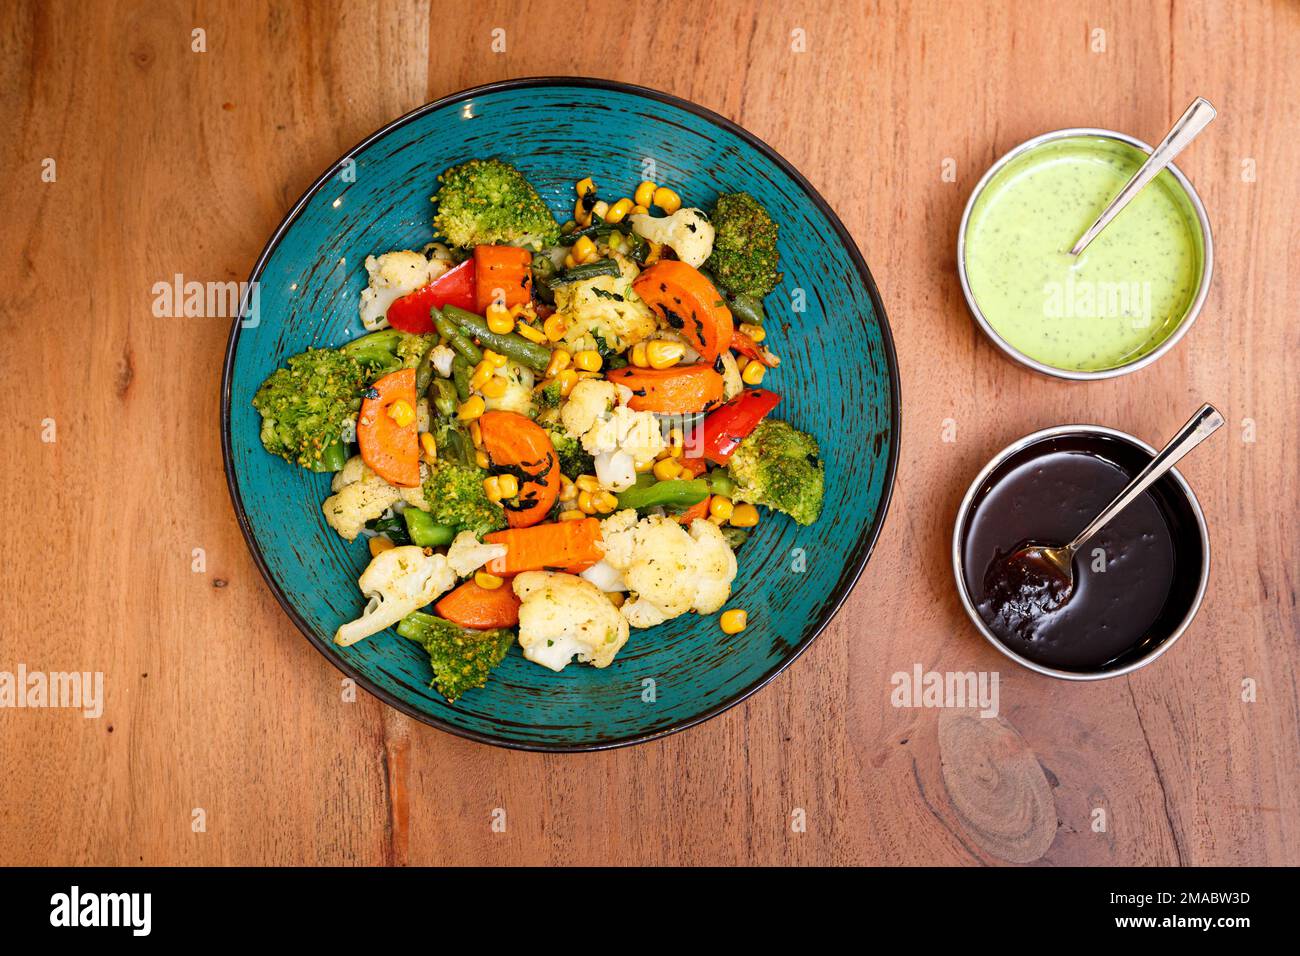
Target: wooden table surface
<point>225,738</point>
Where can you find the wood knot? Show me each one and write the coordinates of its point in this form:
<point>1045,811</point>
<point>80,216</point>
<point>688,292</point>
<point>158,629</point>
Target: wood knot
<point>996,785</point>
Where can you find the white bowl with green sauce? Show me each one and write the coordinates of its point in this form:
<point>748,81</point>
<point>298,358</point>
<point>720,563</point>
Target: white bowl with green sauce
<point>1119,305</point>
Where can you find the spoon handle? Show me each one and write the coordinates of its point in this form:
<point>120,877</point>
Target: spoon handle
<point>1197,117</point>
<point>1198,428</point>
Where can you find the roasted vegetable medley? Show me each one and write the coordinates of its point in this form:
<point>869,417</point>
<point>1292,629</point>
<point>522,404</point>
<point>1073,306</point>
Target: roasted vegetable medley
<point>551,433</point>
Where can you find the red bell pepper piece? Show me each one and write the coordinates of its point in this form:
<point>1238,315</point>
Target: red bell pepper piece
<point>746,346</point>
<point>727,426</point>
<point>455,287</point>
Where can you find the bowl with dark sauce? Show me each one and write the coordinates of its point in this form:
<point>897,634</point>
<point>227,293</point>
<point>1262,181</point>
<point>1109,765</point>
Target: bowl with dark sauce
<point>1138,582</point>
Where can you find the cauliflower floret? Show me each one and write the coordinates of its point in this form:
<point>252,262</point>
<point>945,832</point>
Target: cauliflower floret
<point>518,396</point>
<point>561,616</point>
<point>606,307</point>
<point>686,232</point>
<point>359,496</point>
<point>616,436</point>
<point>392,276</point>
<point>441,358</point>
<point>467,553</point>
<point>732,383</point>
<point>670,570</point>
<point>396,582</point>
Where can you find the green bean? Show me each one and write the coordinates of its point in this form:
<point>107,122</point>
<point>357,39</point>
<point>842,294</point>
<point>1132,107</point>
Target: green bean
<point>424,531</point>
<point>543,271</point>
<point>455,338</point>
<point>511,345</point>
<point>442,392</point>
<point>590,270</point>
<point>334,457</point>
<point>677,493</point>
<point>748,309</point>
<point>721,483</point>
<point>379,348</point>
<point>460,375</point>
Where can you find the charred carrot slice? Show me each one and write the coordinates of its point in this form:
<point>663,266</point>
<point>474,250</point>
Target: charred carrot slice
<point>698,510</point>
<point>688,302</point>
<point>680,389</point>
<point>515,445</point>
<point>503,274</point>
<point>480,608</point>
<point>555,546</point>
<point>391,450</point>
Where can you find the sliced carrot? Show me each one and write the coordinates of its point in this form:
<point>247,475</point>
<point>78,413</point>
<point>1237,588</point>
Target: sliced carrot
<point>518,446</point>
<point>689,303</point>
<point>698,510</point>
<point>555,546</point>
<point>503,274</point>
<point>391,450</point>
<point>480,608</point>
<point>676,390</point>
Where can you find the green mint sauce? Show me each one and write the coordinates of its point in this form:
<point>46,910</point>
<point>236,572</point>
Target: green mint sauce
<point>1127,292</point>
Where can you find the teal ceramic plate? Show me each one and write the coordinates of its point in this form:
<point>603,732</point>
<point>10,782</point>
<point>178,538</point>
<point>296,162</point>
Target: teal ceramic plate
<point>839,380</point>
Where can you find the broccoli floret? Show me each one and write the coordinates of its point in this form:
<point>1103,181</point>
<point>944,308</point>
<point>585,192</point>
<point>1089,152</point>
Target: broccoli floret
<point>488,202</point>
<point>744,258</point>
<point>574,459</point>
<point>549,397</point>
<point>304,407</point>
<point>777,465</point>
<point>454,493</point>
<point>461,658</point>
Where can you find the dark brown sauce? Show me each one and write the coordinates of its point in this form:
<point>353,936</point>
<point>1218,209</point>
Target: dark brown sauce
<point>1121,593</point>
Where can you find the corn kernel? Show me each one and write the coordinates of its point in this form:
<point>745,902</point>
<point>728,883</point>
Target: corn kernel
<point>755,332</point>
<point>494,387</point>
<point>653,251</point>
<point>499,319</point>
<point>584,250</point>
<point>667,469</point>
<point>662,354</point>
<point>667,200</point>
<point>568,378</point>
<point>482,460</point>
<point>742,361</point>
<point>618,212</point>
<point>753,373</point>
<point>476,433</point>
<point>471,408</point>
<point>429,445</point>
<point>638,356</point>
<point>482,372</point>
<point>508,485</point>
<point>585,187</point>
<point>531,334</point>
<point>601,209</point>
<point>569,261</point>
<point>733,621</point>
<point>560,359</point>
<point>676,438</point>
<point>645,193</point>
<point>581,214</point>
<point>401,412</point>
<point>586,503</point>
<point>571,516</point>
<point>555,327</point>
<point>492,488</point>
<point>587,483</point>
<point>638,210</point>
<point>488,581</point>
<point>378,545</point>
<point>641,467</point>
<point>588,360</point>
<point>744,516</point>
<point>720,507</point>
<point>568,490</point>
<point>616,598</point>
<point>496,358</point>
<point>605,502</point>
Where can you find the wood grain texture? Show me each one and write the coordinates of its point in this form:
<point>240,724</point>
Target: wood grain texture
<point>171,161</point>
